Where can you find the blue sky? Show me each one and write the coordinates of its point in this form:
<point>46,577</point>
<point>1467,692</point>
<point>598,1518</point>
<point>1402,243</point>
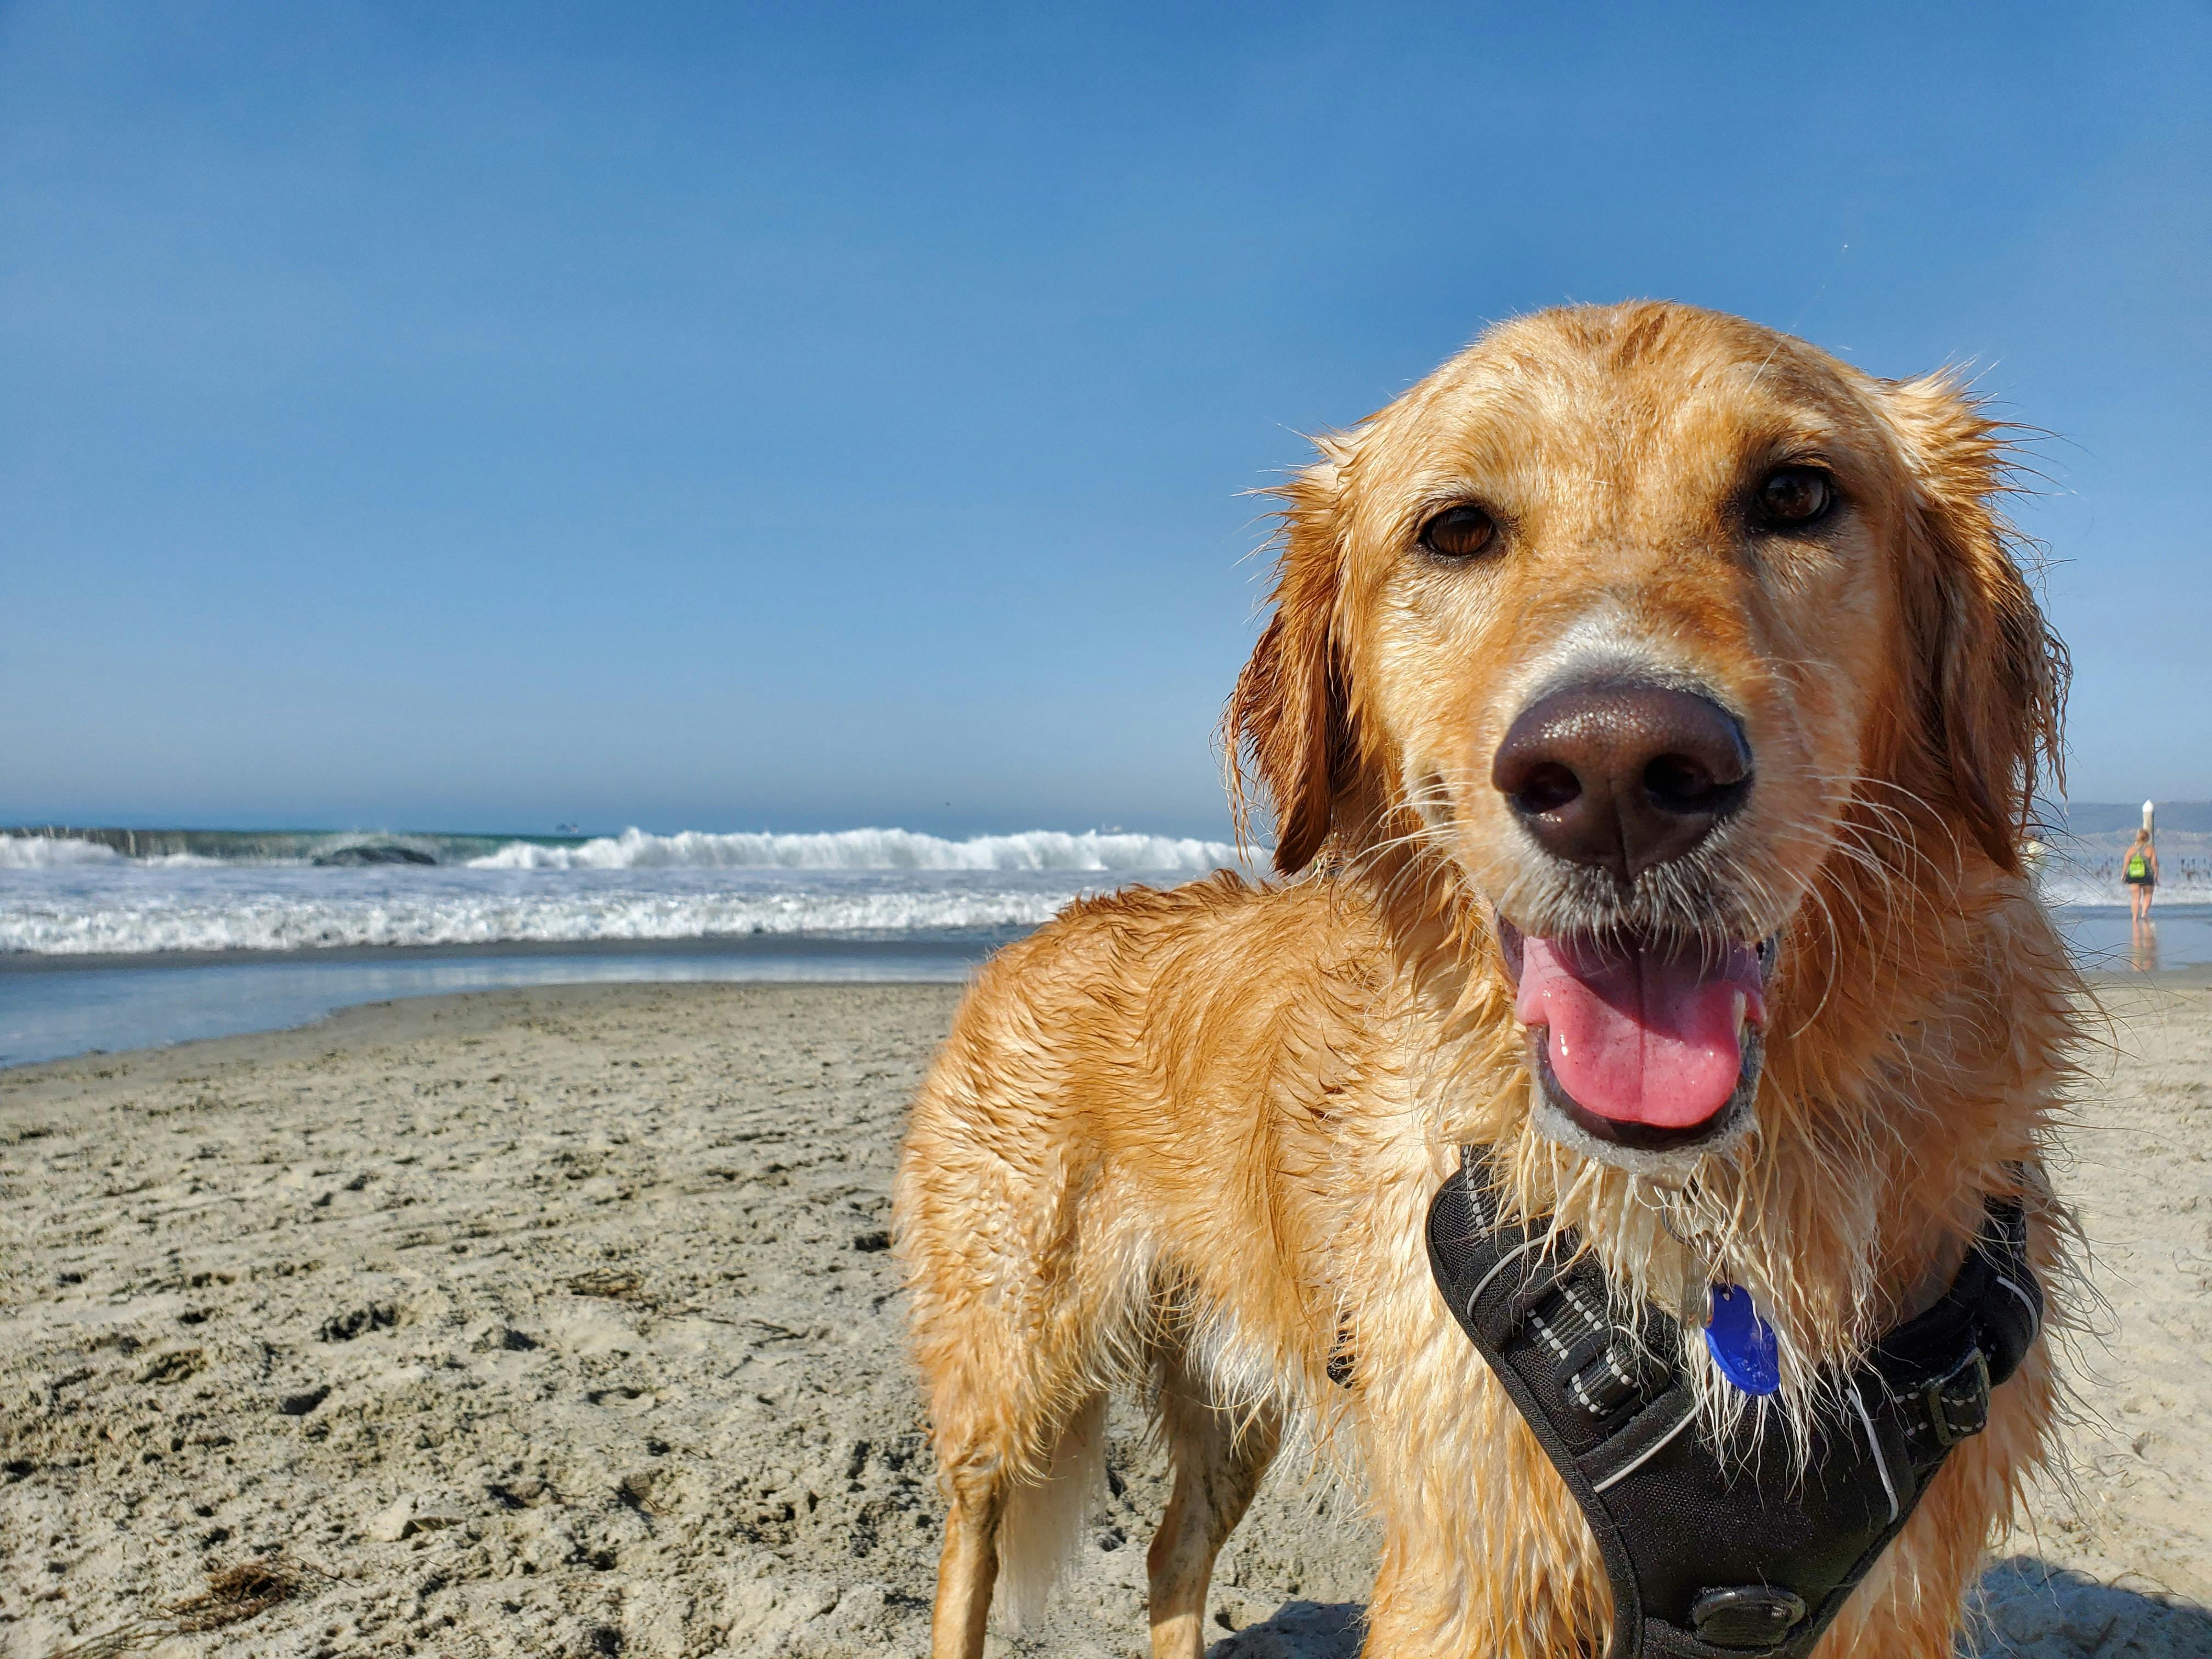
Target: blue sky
<point>794,417</point>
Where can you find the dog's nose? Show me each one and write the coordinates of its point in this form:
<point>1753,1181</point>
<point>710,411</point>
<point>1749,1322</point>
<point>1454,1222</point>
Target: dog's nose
<point>1624,777</point>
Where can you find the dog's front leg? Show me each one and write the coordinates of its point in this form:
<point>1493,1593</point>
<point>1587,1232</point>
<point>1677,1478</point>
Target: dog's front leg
<point>1219,1459</point>
<point>1485,1555</point>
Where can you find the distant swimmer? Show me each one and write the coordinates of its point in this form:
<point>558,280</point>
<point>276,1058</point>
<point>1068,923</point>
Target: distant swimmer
<point>2139,870</point>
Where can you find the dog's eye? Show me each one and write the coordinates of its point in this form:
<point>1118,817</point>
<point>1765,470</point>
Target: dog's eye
<point>1458,532</point>
<point>1794,497</point>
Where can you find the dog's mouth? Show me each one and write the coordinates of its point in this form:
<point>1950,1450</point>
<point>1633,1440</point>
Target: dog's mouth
<point>1640,1046</point>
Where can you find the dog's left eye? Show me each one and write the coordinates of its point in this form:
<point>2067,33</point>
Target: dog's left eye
<point>1794,497</point>
<point>1458,532</point>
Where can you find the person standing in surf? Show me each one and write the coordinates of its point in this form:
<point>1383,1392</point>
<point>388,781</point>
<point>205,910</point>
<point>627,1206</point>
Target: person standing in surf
<point>2139,871</point>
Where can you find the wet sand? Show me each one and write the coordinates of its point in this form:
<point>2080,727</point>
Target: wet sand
<point>559,1322</point>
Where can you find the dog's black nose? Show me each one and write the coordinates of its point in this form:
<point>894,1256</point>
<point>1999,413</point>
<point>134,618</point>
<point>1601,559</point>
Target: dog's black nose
<point>1623,776</point>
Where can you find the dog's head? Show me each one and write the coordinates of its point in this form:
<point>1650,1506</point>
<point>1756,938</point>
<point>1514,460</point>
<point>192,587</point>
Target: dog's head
<point>1639,624</point>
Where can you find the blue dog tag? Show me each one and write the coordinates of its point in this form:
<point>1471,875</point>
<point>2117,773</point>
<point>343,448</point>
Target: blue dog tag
<point>1742,1343</point>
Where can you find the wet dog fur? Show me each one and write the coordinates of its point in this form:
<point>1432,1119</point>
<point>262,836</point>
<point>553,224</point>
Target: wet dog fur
<point>1183,1142</point>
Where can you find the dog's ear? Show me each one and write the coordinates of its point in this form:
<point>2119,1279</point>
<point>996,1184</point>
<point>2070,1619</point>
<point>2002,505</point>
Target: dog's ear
<point>1288,716</point>
<point>1991,675</point>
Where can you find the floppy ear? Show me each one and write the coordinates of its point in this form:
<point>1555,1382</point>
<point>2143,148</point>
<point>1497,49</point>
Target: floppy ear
<point>1993,677</point>
<point>1288,716</point>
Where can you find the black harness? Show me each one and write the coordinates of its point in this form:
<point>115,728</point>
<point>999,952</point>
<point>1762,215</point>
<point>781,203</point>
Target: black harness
<point>1715,1552</point>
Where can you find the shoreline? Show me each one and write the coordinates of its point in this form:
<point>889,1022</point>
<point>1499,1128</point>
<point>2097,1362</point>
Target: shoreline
<point>387,1021</point>
<point>98,1010</point>
<point>2099,981</point>
<point>60,1006</point>
<point>690,944</point>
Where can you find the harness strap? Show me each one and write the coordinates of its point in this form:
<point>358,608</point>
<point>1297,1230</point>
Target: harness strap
<point>1719,1551</point>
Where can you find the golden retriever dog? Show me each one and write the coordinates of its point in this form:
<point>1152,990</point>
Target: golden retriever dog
<point>1637,647</point>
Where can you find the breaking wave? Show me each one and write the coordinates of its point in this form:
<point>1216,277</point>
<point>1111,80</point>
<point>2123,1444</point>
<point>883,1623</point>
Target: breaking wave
<point>634,849</point>
<point>129,893</point>
<point>2085,870</point>
<point>869,849</point>
<point>53,853</point>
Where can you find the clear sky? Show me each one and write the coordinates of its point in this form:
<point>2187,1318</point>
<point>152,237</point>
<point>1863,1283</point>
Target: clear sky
<point>800,416</point>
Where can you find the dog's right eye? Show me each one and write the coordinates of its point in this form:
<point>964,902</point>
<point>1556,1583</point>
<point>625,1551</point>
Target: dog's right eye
<point>1794,497</point>
<point>1459,533</point>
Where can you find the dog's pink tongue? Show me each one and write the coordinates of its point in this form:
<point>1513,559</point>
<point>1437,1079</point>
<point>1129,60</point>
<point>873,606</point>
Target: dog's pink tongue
<point>1641,1037</point>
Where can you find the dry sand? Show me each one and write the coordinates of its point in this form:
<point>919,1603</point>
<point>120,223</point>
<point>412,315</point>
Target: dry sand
<point>559,1322</point>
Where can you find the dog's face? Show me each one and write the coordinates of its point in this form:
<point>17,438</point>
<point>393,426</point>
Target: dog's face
<point>1640,618</point>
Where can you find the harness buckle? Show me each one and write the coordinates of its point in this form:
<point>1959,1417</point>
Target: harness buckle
<point>1749,1618</point>
<point>1958,1402</point>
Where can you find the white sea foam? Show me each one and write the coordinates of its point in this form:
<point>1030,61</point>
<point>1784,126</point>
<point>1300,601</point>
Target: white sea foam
<point>52,852</point>
<point>294,926</point>
<point>870,849</point>
<point>126,908</point>
<point>2086,869</point>
<point>2072,887</point>
<point>76,896</point>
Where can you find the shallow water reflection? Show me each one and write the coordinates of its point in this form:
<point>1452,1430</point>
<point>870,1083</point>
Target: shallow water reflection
<point>51,1012</point>
<point>2104,938</point>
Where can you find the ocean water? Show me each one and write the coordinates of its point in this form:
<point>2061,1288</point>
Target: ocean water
<point>117,939</point>
<point>75,1009</point>
<point>2085,870</point>
<point>76,896</point>
<point>114,940</point>
<point>2104,941</point>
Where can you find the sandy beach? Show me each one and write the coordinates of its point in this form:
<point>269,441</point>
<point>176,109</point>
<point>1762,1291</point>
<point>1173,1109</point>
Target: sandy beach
<point>560,1322</point>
